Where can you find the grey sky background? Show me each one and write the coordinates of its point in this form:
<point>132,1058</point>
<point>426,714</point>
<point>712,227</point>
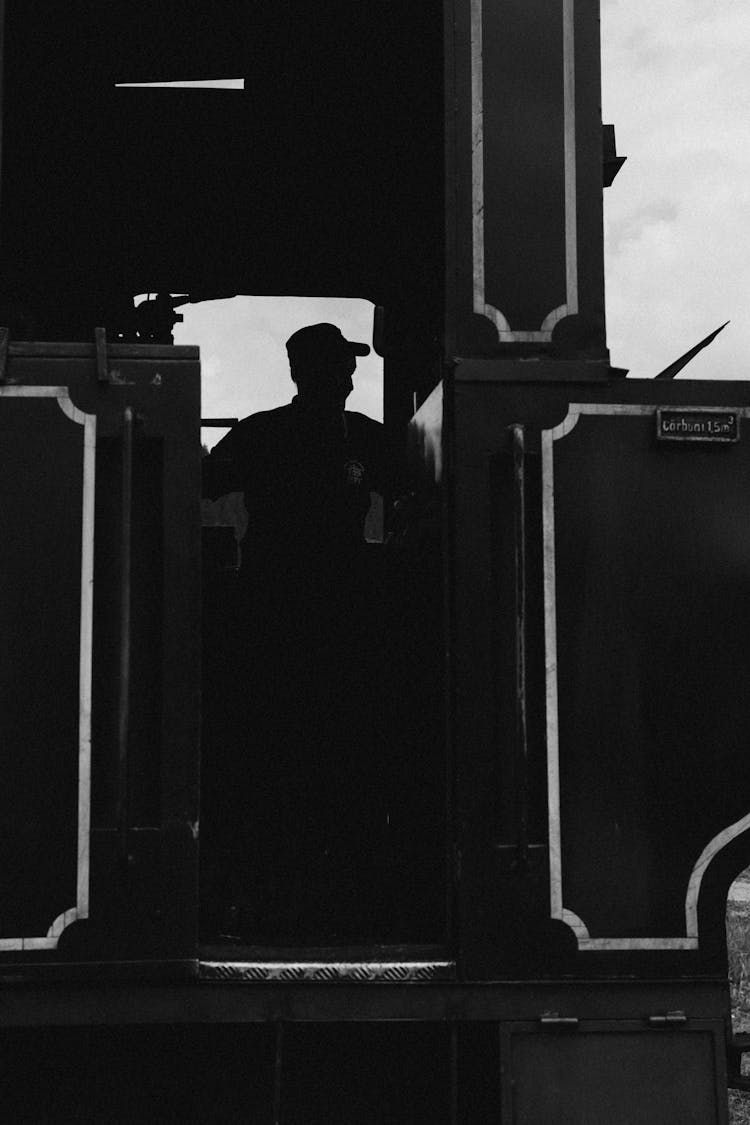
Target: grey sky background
<point>676,85</point>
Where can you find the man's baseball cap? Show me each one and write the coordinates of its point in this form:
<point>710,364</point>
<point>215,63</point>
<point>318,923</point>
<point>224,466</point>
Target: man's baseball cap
<point>320,342</point>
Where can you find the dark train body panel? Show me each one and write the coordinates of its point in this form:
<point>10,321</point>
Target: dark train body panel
<point>531,818</point>
<point>491,886</point>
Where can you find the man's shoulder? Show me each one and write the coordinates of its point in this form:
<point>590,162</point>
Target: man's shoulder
<point>363,423</point>
<point>249,438</point>
<point>256,427</point>
<point>366,434</point>
<point>264,419</point>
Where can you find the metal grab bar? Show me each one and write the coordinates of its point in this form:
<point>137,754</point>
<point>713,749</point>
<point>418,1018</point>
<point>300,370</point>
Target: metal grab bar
<point>4,344</point>
<point>522,749</point>
<point>123,708</point>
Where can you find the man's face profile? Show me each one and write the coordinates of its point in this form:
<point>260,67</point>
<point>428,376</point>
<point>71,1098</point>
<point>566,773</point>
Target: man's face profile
<point>329,383</point>
<point>322,364</point>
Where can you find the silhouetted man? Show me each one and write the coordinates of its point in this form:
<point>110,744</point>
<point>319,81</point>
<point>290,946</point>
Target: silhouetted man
<point>306,470</point>
<point>301,664</point>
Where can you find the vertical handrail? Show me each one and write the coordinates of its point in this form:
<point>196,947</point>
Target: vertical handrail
<point>100,346</point>
<point>518,439</point>
<point>123,708</point>
<point>4,347</point>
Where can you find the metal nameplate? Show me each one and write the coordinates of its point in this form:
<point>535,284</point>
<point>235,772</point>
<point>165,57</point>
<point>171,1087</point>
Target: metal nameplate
<point>698,424</point>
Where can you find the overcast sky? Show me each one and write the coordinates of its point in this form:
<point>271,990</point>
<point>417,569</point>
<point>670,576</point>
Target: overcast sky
<point>243,356</point>
<point>676,85</point>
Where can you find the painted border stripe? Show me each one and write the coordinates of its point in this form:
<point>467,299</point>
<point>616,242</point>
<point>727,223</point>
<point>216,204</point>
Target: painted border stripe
<point>690,940</point>
<point>88,421</point>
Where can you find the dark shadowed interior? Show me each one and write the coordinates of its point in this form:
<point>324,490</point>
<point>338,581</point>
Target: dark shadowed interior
<point>323,177</point>
<point>323,795</point>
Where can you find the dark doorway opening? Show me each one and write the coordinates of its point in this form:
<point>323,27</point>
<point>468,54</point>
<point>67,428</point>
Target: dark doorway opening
<point>323,817</point>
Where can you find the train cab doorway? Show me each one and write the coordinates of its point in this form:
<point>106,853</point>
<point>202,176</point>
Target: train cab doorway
<point>323,781</point>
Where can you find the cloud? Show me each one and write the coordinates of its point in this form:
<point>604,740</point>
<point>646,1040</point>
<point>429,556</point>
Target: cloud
<point>636,223</point>
<point>676,84</point>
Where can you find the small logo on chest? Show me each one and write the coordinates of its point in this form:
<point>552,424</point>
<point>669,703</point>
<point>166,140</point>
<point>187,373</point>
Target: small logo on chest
<point>354,472</point>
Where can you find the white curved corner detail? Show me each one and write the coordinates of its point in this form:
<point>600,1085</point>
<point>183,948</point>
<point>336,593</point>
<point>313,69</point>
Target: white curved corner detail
<point>71,411</point>
<point>567,425</point>
<point>553,318</point>
<point>15,390</point>
<point>62,394</point>
<point>61,922</point>
<point>710,851</point>
<point>494,315</point>
<point>577,926</point>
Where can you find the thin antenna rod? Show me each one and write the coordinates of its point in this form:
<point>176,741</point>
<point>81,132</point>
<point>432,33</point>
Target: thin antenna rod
<point>674,368</point>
